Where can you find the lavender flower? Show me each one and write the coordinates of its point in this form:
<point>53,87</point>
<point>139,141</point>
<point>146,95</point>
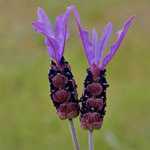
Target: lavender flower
<point>62,85</point>
<point>95,85</point>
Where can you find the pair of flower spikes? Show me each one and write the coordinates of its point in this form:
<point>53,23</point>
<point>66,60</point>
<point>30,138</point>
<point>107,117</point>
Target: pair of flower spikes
<point>91,105</point>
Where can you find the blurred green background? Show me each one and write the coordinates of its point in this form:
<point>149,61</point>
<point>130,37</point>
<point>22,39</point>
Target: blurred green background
<point>27,117</point>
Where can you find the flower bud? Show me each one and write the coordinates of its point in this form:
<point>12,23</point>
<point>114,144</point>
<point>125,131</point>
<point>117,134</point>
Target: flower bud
<point>68,110</point>
<point>61,96</point>
<point>91,121</point>
<point>97,104</point>
<point>94,89</point>
<point>59,81</point>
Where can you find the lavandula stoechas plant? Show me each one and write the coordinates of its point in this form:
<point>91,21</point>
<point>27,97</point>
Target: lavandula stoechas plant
<point>95,85</point>
<point>62,85</point>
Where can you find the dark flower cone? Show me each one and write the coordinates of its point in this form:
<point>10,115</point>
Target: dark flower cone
<point>63,90</point>
<point>93,100</point>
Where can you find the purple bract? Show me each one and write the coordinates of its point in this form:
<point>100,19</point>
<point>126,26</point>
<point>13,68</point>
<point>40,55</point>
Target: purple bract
<point>94,46</point>
<point>54,38</point>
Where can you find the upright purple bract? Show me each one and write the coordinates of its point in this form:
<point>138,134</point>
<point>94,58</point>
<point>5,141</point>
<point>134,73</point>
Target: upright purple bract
<point>94,46</point>
<point>56,37</point>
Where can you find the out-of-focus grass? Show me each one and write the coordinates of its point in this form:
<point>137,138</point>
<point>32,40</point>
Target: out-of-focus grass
<point>27,118</point>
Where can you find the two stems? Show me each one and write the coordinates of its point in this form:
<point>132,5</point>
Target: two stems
<point>74,136</point>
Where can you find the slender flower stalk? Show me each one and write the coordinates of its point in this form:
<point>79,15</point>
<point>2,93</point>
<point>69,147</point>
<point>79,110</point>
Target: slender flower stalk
<point>74,135</point>
<point>90,139</point>
<point>62,84</point>
<point>93,100</point>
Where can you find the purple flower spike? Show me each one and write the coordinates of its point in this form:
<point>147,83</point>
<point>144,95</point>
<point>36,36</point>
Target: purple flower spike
<point>63,88</point>
<point>94,46</point>
<point>54,38</point>
<point>93,99</point>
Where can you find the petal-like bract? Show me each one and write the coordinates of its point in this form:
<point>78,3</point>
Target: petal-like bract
<point>103,42</point>
<point>54,38</point>
<point>94,48</point>
<point>42,25</point>
<point>116,45</point>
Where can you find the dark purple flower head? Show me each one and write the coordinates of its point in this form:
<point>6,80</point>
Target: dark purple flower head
<point>54,37</point>
<point>94,46</point>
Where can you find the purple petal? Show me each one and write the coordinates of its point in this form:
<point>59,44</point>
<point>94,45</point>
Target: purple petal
<point>43,26</point>
<point>40,28</point>
<point>52,46</point>
<point>117,44</point>
<point>54,41</point>
<point>103,42</point>
<point>61,31</point>
<point>59,27</point>
<point>60,34</point>
<point>51,50</point>
<point>94,43</point>
<point>43,18</point>
<point>87,45</point>
<point>84,37</point>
